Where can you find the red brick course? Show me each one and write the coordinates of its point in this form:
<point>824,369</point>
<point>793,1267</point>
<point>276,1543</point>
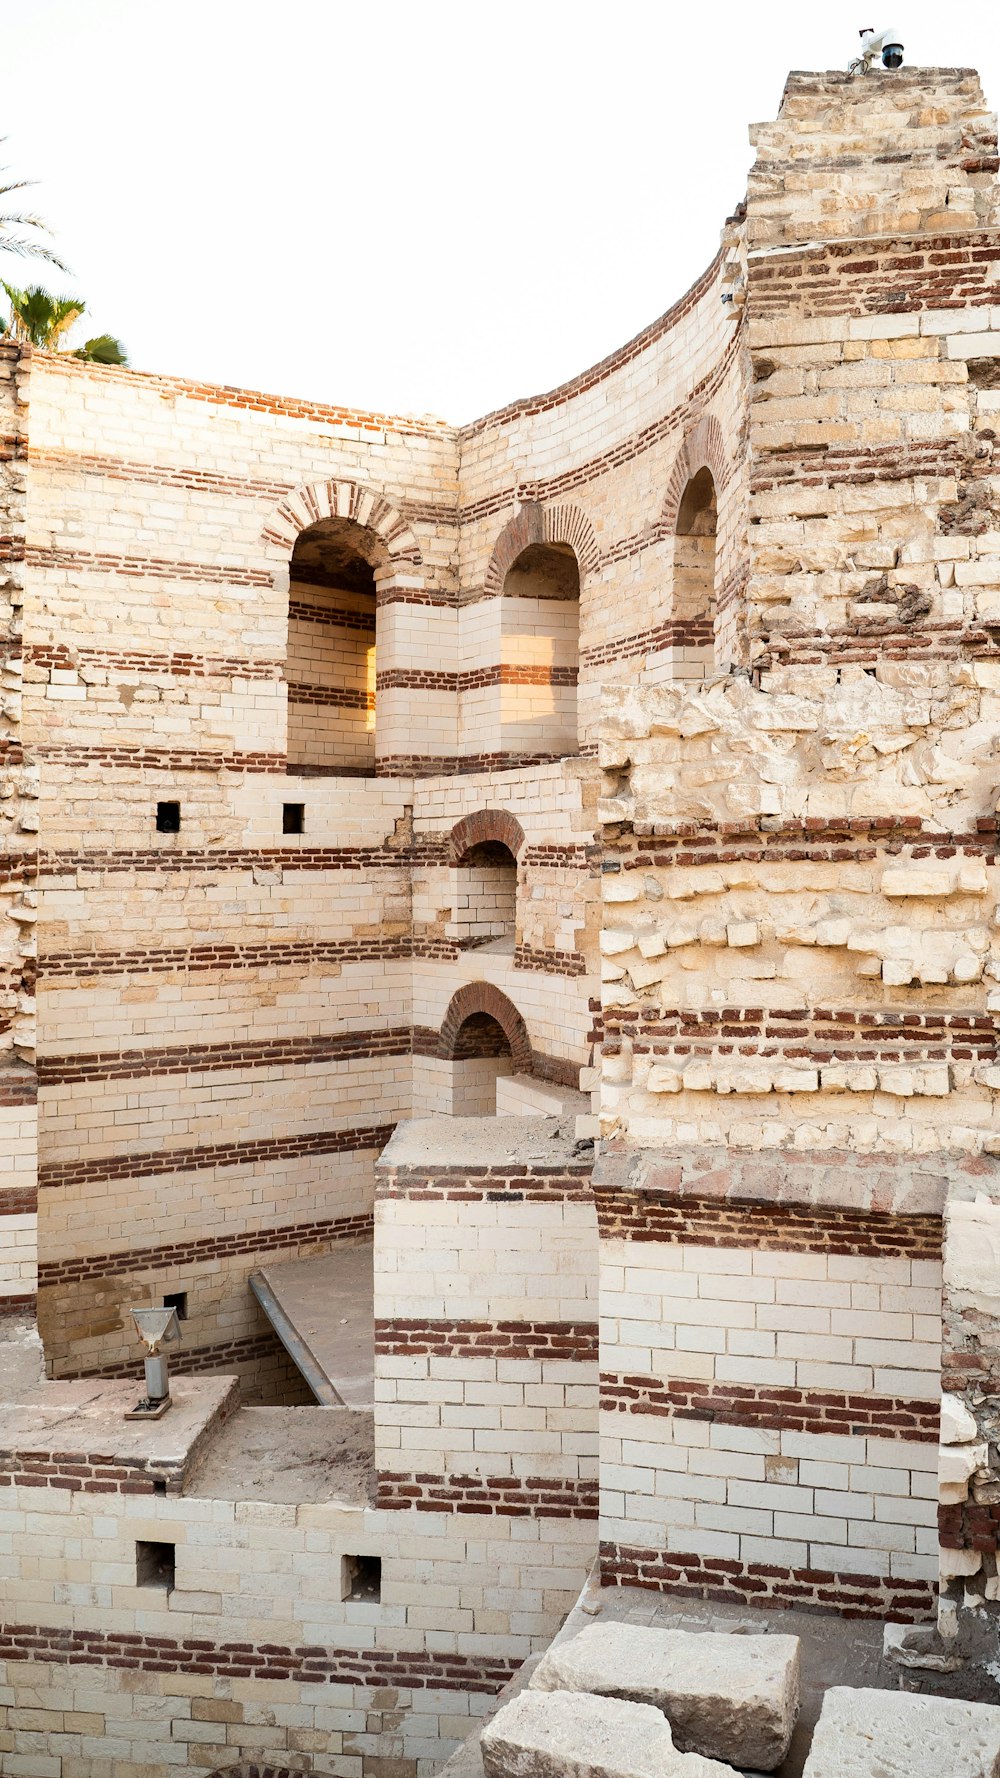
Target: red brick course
<point>773,1409</point>
<point>200,1250</point>
<point>508,1497</point>
<point>766,1586</point>
<point>568,1341</point>
<point>262,1150</point>
<point>503,1184</point>
<point>793,1228</point>
<point>304,1664</point>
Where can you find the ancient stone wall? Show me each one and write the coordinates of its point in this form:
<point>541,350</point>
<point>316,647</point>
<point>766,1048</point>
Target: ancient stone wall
<point>18,874</point>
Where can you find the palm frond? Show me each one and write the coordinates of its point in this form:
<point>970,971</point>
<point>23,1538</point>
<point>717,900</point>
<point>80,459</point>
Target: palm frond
<point>104,349</point>
<point>25,248</point>
<point>16,185</point>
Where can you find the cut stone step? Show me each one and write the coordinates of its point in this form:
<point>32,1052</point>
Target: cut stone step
<point>732,1698</point>
<point>873,1734</point>
<point>565,1735</point>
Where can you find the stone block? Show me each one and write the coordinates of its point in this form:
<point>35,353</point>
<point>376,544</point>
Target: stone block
<point>875,1734</point>
<point>732,1698</point>
<point>557,1734</point>
<point>958,1426</point>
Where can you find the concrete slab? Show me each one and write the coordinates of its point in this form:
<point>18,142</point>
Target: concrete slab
<point>732,1698</point>
<point>481,1142</point>
<point>876,1734</point>
<point>83,1422</point>
<point>322,1310</point>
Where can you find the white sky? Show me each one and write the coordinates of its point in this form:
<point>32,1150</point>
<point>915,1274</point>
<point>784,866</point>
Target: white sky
<point>414,205</point>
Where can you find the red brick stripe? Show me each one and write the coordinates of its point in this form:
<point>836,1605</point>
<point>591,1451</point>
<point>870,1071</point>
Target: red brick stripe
<point>429,849</point>
<point>304,1664</point>
<point>201,1058</point>
<point>84,561</point>
<point>475,679</point>
<point>294,953</point>
<point>811,840</point>
<point>823,1035</point>
<point>179,663</point>
<point>569,1341</point>
<point>879,276</point>
<point>330,616</point>
<point>18,1200</point>
<point>227,1356</point>
<point>766,1585</point>
<point>200,1250</point>
<point>546,962</point>
<point>502,1184</point>
<point>265,1149</point>
<point>159,759</point>
<point>782,1228</point>
<point>19,1305</point>
<point>507,1497</point>
<point>774,1409</point>
<point>18,1089</point>
<point>450,765</point>
<point>687,632</point>
<point>338,697</point>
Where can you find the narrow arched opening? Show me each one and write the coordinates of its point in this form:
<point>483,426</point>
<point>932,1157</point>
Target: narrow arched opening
<point>484,898</point>
<point>540,641</point>
<point>694,578</point>
<point>481,1056</point>
<point>330,662</point>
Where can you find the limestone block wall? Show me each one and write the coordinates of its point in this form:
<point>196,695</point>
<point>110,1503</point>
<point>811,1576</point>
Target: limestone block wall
<point>18,875</point>
<point>770,1381</point>
<point>485,1322</point>
<point>253,1652</point>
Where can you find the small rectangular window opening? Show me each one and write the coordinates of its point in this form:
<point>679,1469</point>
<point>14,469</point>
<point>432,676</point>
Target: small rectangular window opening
<point>154,1565</point>
<point>293,817</point>
<point>177,1299</point>
<point>361,1578</point>
<point>168,817</point>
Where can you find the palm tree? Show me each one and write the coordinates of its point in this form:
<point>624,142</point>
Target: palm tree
<point>43,320</point>
<point>13,221</point>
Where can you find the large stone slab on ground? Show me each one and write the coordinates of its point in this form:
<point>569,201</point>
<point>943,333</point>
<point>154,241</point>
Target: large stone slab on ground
<point>732,1698</point>
<point>872,1734</point>
<point>565,1735</point>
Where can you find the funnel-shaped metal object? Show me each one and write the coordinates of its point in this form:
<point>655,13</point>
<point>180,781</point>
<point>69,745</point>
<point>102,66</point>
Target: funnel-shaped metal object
<point>156,1328</point>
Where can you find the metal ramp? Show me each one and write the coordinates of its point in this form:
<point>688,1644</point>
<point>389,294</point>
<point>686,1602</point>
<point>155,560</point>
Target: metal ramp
<point>322,1311</point>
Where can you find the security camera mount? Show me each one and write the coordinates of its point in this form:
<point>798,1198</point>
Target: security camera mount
<point>886,45</point>
<point>156,1328</point>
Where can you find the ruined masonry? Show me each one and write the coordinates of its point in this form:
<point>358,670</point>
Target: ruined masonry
<point>488,886</point>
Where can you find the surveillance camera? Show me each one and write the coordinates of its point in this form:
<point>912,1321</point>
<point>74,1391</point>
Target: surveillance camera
<point>878,43</point>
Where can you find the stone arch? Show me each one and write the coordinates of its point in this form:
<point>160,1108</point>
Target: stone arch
<point>534,524</point>
<point>482,827</point>
<point>341,499</point>
<point>483,997</point>
<point>702,447</point>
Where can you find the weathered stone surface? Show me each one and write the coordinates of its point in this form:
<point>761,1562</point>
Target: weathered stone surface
<point>562,1735</point>
<point>732,1698</point>
<point>873,1734</point>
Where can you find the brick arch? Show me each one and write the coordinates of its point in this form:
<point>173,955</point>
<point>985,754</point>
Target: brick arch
<point>482,826</point>
<point>476,997</point>
<point>542,524</point>
<point>314,501</point>
<point>703,447</point>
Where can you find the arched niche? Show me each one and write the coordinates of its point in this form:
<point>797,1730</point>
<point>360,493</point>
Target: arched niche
<point>694,575</point>
<point>330,661</point>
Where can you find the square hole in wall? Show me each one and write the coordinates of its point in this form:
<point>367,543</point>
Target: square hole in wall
<point>293,817</point>
<point>154,1565</point>
<point>168,817</point>
<point>177,1300</point>
<point>361,1578</point>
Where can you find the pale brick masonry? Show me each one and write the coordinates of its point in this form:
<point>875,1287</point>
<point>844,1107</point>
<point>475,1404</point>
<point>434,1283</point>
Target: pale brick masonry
<point>637,739</point>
